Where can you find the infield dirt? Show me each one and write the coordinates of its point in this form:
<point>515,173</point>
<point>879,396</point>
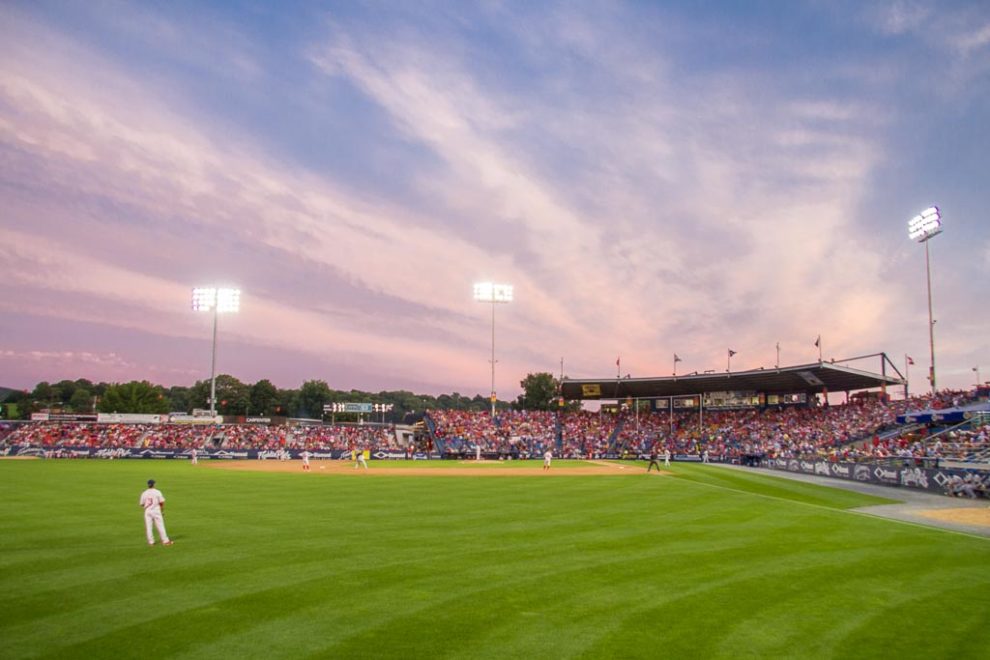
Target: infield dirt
<point>465,469</point>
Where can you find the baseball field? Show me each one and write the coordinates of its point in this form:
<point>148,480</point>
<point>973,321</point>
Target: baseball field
<point>589,561</point>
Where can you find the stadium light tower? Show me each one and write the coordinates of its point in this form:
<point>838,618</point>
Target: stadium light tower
<point>921,228</point>
<point>218,301</point>
<point>493,293</point>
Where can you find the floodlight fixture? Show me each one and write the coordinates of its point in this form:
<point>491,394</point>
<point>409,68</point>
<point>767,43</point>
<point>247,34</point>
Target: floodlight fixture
<point>489,292</point>
<point>222,300</point>
<point>493,293</point>
<point>218,300</point>
<point>925,225</point>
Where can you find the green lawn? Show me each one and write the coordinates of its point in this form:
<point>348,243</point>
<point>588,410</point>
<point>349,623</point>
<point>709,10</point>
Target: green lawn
<point>706,563</point>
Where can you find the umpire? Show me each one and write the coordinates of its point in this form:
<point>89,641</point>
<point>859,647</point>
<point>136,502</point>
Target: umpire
<point>653,459</point>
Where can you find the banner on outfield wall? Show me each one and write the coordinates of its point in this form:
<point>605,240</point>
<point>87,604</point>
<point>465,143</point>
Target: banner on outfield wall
<point>929,479</point>
<point>194,419</point>
<point>62,417</point>
<point>201,454</point>
<point>130,418</point>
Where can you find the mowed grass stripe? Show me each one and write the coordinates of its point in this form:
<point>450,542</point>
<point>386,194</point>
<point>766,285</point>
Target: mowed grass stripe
<point>285,565</point>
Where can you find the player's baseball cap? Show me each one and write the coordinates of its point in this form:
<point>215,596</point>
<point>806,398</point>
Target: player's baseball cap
<point>151,482</point>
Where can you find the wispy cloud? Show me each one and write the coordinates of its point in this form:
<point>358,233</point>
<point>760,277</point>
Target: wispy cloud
<point>636,203</point>
<point>721,182</point>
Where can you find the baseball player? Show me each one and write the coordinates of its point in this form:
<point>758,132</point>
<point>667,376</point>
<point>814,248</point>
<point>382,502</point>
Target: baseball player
<point>359,459</point>
<point>666,457</point>
<point>153,503</point>
<point>305,459</point>
<point>653,460</point>
<point>547,458</point>
<point>193,459</point>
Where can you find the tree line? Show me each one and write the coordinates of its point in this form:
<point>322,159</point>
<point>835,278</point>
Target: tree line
<point>260,399</point>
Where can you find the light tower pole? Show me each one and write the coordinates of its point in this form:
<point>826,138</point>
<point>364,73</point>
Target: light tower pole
<point>217,300</point>
<point>922,228</point>
<point>488,292</point>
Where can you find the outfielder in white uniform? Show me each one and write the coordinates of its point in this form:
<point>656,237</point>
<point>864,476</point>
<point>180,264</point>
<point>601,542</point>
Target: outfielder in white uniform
<point>153,503</point>
<point>547,458</point>
<point>359,458</point>
<point>193,457</point>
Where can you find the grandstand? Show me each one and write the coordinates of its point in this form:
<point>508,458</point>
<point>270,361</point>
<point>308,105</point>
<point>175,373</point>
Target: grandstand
<point>770,417</point>
<point>801,381</point>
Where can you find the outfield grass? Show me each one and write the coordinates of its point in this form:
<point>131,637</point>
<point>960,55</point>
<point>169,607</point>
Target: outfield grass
<point>705,563</point>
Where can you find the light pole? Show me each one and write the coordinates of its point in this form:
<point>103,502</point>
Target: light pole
<point>216,300</point>
<point>921,228</point>
<point>493,293</point>
<point>382,408</point>
<point>978,381</point>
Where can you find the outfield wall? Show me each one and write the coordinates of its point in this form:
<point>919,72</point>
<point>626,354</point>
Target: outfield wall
<point>201,454</point>
<point>928,479</point>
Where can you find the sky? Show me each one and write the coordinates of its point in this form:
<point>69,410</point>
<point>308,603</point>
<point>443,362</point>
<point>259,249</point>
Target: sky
<point>652,178</point>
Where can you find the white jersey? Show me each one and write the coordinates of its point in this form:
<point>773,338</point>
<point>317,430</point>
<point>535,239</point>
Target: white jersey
<point>152,500</point>
<point>547,457</point>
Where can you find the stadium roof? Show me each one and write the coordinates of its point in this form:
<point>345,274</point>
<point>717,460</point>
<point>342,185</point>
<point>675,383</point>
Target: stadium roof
<point>803,378</point>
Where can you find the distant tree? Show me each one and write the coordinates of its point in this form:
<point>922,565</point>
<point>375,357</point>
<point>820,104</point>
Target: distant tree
<point>287,403</point>
<point>44,394</point>
<point>23,405</point>
<point>540,392</point>
<point>81,400</point>
<point>134,397</point>
<point>179,399</point>
<point>264,397</point>
<point>233,396</point>
<point>312,396</point>
<point>84,384</point>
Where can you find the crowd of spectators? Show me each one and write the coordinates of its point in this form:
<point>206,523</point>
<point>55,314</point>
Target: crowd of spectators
<point>510,433</point>
<point>46,435</point>
<point>854,431</point>
<point>929,446</point>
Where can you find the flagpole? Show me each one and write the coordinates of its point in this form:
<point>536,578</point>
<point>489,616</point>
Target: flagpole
<point>907,374</point>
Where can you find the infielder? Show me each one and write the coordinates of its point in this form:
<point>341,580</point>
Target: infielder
<point>305,459</point>
<point>653,460</point>
<point>359,460</point>
<point>666,457</point>
<point>193,460</point>
<point>547,458</point>
<point>153,503</point>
